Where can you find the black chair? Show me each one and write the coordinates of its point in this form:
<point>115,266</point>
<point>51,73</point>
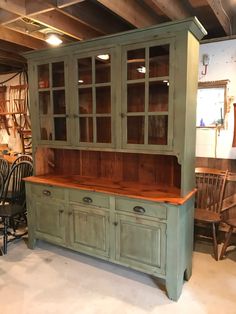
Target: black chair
<point>22,158</point>
<point>4,168</point>
<point>1,185</point>
<point>13,205</point>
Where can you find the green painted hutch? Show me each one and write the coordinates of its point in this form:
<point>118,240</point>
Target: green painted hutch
<point>113,122</point>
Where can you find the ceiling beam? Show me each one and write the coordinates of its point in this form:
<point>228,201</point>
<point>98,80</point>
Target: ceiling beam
<point>174,9</point>
<point>96,17</point>
<point>66,3</point>
<point>11,56</point>
<point>14,6</point>
<point>60,22</point>
<point>21,39</point>
<point>39,6</point>
<point>131,11</point>
<point>7,46</point>
<point>7,17</point>
<point>222,16</point>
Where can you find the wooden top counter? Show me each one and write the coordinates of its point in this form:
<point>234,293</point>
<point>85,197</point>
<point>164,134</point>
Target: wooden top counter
<point>129,189</point>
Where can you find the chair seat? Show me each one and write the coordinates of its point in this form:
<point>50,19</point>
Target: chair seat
<point>10,210</point>
<point>206,216</point>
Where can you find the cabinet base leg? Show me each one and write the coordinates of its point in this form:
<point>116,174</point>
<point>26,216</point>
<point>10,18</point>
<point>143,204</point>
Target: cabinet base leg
<point>31,243</point>
<point>188,273</point>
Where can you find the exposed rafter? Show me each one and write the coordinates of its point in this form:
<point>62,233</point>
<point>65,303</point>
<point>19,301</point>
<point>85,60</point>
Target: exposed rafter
<point>131,11</point>
<point>174,9</point>
<point>57,20</point>
<point>21,39</point>
<point>66,3</point>
<point>90,14</point>
<point>14,6</point>
<point>221,14</point>
<point>37,6</point>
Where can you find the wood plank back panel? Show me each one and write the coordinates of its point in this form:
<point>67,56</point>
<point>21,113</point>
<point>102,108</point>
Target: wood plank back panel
<point>115,166</point>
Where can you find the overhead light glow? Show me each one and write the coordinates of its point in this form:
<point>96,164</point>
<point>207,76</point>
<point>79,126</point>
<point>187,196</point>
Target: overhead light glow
<point>104,56</point>
<point>53,39</point>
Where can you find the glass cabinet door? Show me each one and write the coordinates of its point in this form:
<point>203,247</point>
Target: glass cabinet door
<point>94,92</point>
<point>52,101</point>
<point>147,101</point>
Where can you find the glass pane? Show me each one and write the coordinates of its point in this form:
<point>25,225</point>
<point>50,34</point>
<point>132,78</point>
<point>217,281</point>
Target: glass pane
<point>103,99</point>
<point>86,129</point>
<point>59,102</point>
<point>43,76</point>
<point>44,102</point>
<point>85,100</point>
<point>103,68</point>
<point>158,96</point>
<point>84,71</point>
<point>159,61</point>
<point>135,130</point>
<point>58,79</point>
<point>136,64</point>
<point>136,97</point>
<point>103,130</point>
<point>45,128</point>
<point>157,130</point>
<point>60,129</point>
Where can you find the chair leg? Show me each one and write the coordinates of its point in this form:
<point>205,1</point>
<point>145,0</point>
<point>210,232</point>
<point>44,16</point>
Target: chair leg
<point>226,243</point>
<point>5,236</point>
<point>215,241</point>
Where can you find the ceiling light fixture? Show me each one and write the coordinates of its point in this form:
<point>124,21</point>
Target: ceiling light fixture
<point>53,39</point>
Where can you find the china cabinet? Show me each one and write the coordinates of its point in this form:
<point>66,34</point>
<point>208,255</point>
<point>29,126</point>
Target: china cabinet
<point>114,146</point>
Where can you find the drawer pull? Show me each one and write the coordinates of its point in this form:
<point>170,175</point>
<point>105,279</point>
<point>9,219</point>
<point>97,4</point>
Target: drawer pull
<point>46,193</point>
<point>61,211</point>
<point>87,200</point>
<point>139,210</point>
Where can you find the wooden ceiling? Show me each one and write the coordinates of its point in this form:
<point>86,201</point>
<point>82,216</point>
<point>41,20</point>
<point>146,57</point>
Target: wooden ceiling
<point>24,24</point>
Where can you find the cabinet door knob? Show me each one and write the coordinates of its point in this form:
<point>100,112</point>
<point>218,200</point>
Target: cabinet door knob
<point>46,193</point>
<point>87,200</point>
<point>70,213</point>
<point>115,223</point>
<point>61,211</point>
<point>139,210</point>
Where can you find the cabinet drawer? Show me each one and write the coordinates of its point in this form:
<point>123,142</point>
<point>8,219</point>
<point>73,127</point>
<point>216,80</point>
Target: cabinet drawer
<point>141,207</point>
<point>48,191</point>
<point>89,198</point>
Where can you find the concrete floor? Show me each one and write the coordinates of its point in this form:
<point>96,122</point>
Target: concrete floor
<point>53,280</point>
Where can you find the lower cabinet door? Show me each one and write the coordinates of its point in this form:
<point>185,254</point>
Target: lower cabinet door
<point>50,221</point>
<point>141,243</point>
<point>89,230</point>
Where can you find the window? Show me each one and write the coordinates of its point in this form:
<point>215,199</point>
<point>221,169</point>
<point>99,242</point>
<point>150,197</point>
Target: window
<point>211,103</point>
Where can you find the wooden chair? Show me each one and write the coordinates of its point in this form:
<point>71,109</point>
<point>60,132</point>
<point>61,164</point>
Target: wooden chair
<point>228,216</point>
<point>210,184</point>
<point>22,158</point>
<point>14,204</point>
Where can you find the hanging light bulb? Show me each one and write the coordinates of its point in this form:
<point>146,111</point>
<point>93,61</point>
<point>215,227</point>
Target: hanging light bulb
<point>53,39</point>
